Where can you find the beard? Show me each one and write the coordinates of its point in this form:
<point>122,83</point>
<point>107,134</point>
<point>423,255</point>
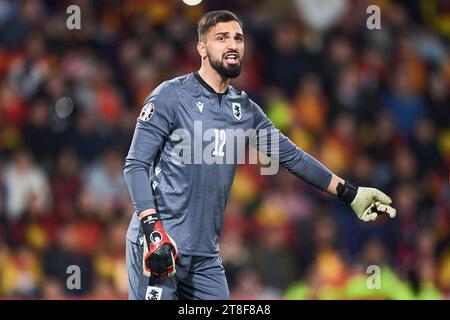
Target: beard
<point>231,72</point>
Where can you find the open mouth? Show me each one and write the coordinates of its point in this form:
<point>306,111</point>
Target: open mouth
<point>232,58</point>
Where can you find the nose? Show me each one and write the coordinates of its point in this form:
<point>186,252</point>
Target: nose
<point>232,44</point>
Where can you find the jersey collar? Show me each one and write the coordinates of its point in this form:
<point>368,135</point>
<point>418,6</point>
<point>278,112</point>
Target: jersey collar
<point>207,86</point>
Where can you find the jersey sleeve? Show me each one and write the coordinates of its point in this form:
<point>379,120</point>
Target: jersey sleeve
<point>154,125</point>
<point>290,156</point>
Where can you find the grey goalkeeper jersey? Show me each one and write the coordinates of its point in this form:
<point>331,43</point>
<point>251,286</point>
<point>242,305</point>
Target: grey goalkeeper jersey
<point>185,149</point>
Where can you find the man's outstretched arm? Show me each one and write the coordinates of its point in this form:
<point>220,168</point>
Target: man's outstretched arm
<point>367,203</point>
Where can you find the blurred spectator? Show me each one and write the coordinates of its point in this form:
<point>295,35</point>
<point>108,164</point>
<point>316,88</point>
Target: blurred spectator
<point>405,105</point>
<point>25,183</point>
<point>63,253</point>
<point>274,236</point>
<point>338,144</point>
<point>235,256</point>
<point>66,183</point>
<point>86,139</point>
<point>310,104</point>
<point>105,182</point>
<point>27,73</point>
<point>250,287</point>
<point>110,264</point>
<point>37,134</point>
<point>319,15</point>
<point>287,59</point>
<point>438,98</point>
<point>428,156</point>
<point>21,274</point>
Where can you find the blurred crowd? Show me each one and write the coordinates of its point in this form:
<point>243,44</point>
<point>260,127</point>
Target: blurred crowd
<point>373,105</point>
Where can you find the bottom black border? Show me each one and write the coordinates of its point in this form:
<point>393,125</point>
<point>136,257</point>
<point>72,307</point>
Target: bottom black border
<point>232,309</point>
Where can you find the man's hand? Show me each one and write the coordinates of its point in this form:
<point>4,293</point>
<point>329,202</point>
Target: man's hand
<point>367,203</point>
<point>370,202</point>
<point>160,251</point>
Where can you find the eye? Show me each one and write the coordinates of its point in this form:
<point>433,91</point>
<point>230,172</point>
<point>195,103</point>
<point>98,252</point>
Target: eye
<point>220,38</point>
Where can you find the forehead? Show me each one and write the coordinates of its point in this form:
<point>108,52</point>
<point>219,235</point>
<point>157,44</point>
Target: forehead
<point>231,27</point>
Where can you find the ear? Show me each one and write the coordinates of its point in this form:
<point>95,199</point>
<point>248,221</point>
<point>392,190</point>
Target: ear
<point>201,48</point>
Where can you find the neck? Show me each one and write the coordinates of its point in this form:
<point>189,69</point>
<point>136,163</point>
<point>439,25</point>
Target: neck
<point>214,79</point>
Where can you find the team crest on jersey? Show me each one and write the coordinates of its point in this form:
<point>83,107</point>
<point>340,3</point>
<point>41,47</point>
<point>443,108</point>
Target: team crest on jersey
<point>147,111</point>
<point>237,111</point>
<point>153,293</point>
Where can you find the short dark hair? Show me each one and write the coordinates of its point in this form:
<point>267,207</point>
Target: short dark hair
<point>210,19</point>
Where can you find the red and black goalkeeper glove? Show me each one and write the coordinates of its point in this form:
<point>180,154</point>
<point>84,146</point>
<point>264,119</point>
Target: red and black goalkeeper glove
<point>160,251</point>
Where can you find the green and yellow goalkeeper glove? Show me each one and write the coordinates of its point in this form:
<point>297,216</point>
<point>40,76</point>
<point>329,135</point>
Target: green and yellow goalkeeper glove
<point>367,203</point>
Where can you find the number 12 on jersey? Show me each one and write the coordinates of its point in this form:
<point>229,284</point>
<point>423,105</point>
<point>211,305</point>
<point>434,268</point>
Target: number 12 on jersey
<point>219,142</point>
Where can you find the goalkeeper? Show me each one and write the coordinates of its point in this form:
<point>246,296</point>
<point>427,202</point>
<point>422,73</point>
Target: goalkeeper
<point>172,242</point>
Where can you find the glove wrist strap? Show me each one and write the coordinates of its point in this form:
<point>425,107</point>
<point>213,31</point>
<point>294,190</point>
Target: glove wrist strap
<point>346,192</point>
<point>148,223</point>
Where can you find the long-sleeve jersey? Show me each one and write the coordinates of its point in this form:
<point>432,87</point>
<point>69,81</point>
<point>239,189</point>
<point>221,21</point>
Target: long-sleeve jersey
<point>180,162</point>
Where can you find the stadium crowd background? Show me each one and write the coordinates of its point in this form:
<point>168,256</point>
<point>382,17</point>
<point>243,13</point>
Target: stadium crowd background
<point>373,105</point>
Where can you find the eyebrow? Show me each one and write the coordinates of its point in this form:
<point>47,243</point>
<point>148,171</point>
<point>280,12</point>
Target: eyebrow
<point>227,33</point>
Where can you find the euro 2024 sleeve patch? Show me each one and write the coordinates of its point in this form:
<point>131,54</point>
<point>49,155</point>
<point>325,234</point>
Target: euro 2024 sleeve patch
<point>147,111</point>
